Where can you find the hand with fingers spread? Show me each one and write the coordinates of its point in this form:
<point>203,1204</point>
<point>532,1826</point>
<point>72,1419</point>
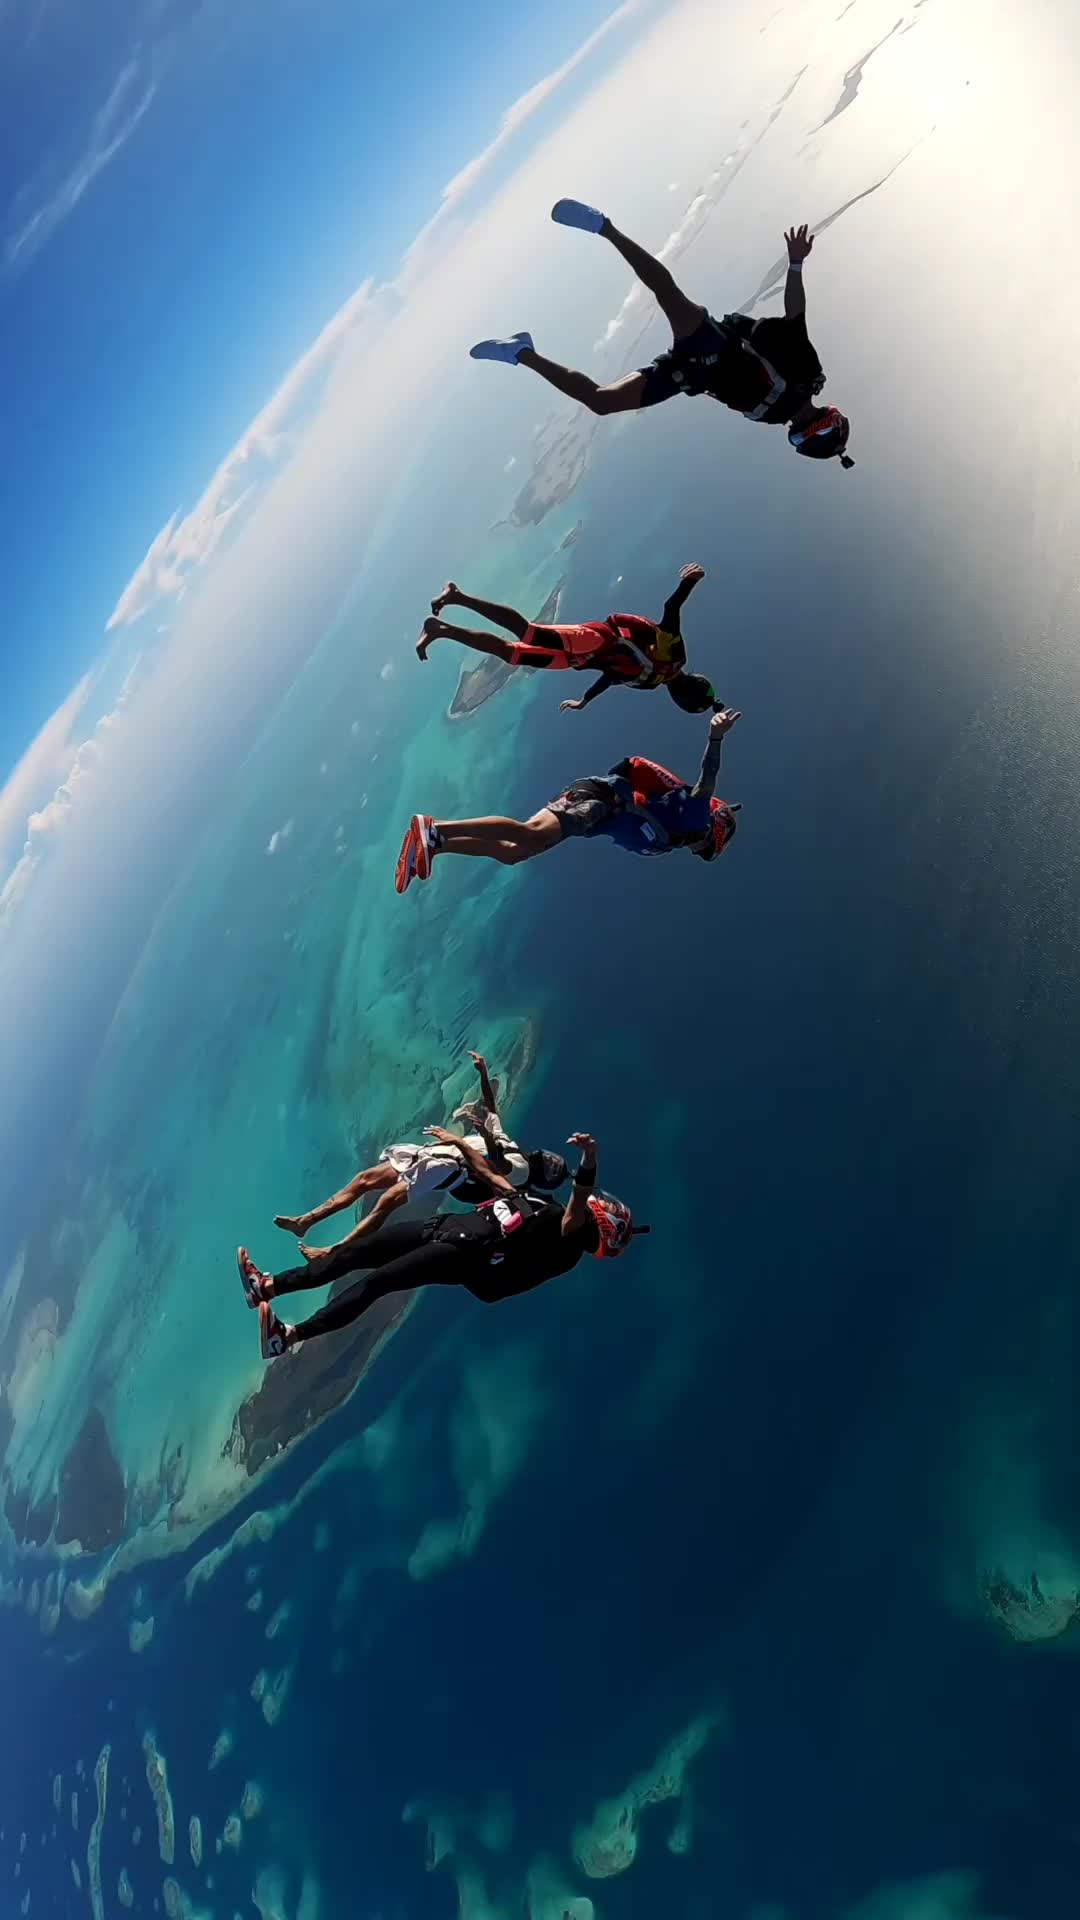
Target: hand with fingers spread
<point>443,1136</point>
<point>723,722</point>
<point>799,243</point>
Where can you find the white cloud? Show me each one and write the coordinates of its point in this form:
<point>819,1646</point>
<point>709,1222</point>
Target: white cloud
<point>42,767</point>
<point>186,543</point>
<point>47,201</point>
<point>54,750</point>
<point>515,117</point>
<point>344,374</point>
<point>82,148</point>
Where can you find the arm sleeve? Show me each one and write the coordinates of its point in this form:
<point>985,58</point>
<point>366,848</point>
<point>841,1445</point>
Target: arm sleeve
<point>600,685</point>
<point>671,618</point>
<point>710,767</point>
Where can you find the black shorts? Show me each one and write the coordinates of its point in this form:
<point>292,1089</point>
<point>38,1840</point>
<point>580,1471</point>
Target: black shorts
<point>709,361</point>
<point>583,807</point>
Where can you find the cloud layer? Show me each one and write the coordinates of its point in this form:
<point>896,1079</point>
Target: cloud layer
<point>189,541</point>
<point>344,374</point>
<point>44,765</point>
<point>513,120</point>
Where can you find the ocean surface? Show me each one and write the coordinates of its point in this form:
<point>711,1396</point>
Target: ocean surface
<point>691,1559</point>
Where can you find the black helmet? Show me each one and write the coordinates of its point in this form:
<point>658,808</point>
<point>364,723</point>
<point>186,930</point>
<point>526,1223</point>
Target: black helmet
<point>547,1170</point>
<point>692,692</point>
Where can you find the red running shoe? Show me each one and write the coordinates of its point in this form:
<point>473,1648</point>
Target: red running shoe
<point>273,1336</point>
<point>251,1277</point>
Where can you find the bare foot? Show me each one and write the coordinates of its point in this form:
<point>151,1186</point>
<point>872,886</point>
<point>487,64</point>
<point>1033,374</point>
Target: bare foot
<point>446,598</point>
<point>292,1223</point>
<point>314,1254</point>
<point>431,630</point>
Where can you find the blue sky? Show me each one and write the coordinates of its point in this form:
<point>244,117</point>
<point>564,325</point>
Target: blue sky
<point>188,191</point>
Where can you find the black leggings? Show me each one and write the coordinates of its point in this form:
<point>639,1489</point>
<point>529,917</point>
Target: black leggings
<point>406,1254</point>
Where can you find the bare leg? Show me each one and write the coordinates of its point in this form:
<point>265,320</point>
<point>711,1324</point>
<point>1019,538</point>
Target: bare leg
<point>390,1199</point>
<point>507,852</point>
<point>372,1180</point>
<point>490,643</point>
<point>499,838</point>
<point>684,316</point>
<point>506,617</point>
<point>623,396</point>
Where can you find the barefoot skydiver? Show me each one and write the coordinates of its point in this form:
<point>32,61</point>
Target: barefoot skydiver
<point>764,369</point>
<point>444,1168</point>
<point>641,806</point>
<point>507,1245</point>
<point>625,650</point>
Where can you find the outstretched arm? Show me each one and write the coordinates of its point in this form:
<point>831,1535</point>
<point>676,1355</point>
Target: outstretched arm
<point>689,578</point>
<point>480,1168</point>
<point>487,1091</point>
<point>799,243</point>
<point>576,1210</point>
<point>600,685</point>
<point>720,724</point>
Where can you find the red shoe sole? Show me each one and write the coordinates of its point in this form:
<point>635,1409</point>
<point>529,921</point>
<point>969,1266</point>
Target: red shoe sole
<point>404,872</point>
<point>421,854</point>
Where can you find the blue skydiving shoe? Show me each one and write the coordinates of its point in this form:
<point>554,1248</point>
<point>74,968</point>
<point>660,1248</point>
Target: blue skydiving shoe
<point>509,350</point>
<point>574,213</point>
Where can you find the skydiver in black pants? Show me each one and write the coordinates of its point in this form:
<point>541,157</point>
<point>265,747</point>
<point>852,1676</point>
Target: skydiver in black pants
<point>766,369</point>
<point>505,1246</point>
